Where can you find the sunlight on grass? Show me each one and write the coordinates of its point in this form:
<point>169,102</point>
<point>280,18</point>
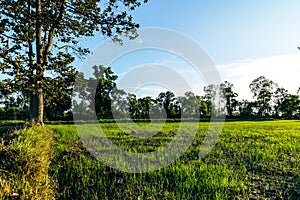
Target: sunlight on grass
<point>250,160</point>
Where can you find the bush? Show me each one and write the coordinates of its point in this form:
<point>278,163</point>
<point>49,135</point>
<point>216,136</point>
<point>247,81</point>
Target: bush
<point>25,160</point>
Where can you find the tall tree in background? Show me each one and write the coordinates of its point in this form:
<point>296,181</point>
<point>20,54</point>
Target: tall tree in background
<point>230,96</point>
<point>169,103</point>
<point>279,96</point>
<point>38,37</point>
<point>204,106</point>
<point>246,108</point>
<point>133,106</point>
<point>145,105</point>
<point>215,100</point>
<point>210,93</point>
<point>97,90</point>
<point>290,106</point>
<point>119,105</point>
<point>190,105</point>
<point>263,90</point>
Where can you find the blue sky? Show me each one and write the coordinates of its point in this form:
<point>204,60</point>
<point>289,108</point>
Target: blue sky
<point>244,38</point>
<point>230,30</point>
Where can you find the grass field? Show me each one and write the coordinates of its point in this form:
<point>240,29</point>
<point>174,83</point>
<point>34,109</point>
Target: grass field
<point>252,160</point>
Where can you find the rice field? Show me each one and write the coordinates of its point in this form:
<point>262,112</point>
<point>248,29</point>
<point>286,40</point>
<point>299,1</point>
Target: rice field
<point>251,160</point>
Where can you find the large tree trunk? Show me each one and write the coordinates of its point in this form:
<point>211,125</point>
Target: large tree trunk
<point>40,108</point>
<point>37,108</point>
<point>37,102</point>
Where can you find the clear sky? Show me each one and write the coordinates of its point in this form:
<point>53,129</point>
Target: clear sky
<point>244,38</point>
<point>230,30</point>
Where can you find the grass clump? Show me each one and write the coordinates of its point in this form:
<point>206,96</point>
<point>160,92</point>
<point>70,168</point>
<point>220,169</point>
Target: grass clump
<point>25,161</point>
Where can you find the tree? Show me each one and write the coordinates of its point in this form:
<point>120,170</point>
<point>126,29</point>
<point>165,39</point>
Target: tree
<point>246,108</point>
<point>214,98</point>
<point>230,96</point>
<point>97,90</point>
<point>2,113</point>
<point>290,106</point>
<point>279,96</point>
<point>263,90</point>
<point>105,78</point>
<point>120,103</point>
<point>287,105</point>
<point>59,101</point>
<point>81,110</point>
<point>133,106</point>
<point>169,103</point>
<point>144,105</point>
<point>204,106</point>
<point>189,105</point>
<point>210,93</point>
<point>38,37</point>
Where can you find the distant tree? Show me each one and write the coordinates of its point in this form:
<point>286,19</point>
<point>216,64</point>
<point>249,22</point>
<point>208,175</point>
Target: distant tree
<point>246,108</point>
<point>133,106</point>
<point>59,101</point>
<point>144,105</point>
<point>263,90</point>
<point>11,101</point>
<point>38,37</point>
<point>12,113</point>
<point>204,106</point>
<point>215,99</point>
<point>169,103</point>
<point>97,90</point>
<point>279,96</point>
<point>210,93</point>
<point>230,96</point>
<point>120,103</point>
<point>189,105</point>
<point>81,110</point>
<point>289,106</point>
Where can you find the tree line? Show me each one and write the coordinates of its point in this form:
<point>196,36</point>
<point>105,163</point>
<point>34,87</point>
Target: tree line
<point>101,95</point>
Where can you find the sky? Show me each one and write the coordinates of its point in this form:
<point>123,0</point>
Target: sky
<point>244,39</point>
<point>230,30</point>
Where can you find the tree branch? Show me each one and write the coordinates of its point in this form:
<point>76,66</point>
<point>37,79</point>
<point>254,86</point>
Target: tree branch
<point>10,37</point>
<point>38,32</point>
<point>52,31</point>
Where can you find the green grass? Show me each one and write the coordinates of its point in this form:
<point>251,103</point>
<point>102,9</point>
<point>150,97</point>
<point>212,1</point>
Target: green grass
<point>25,159</point>
<point>252,160</point>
